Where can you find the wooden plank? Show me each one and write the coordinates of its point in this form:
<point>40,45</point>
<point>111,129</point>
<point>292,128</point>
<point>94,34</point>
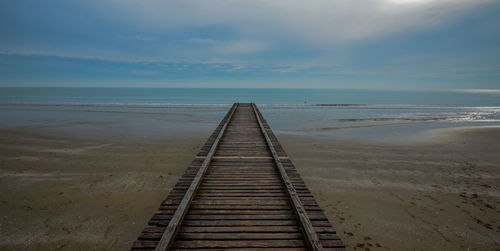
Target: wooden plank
<point>220,223</point>
<point>257,207</point>
<point>240,217</point>
<point>238,157</point>
<point>312,238</point>
<point>239,236</point>
<point>241,229</point>
<point>239,244</point>
<point>174,224</point>
<point>250,249</point>
<point>240,211</point>
<point>242,201</point>
<point>226,236</point>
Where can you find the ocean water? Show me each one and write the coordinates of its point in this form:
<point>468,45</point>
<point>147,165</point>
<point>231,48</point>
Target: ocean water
<point>217,96</point>
<point>363,113</point>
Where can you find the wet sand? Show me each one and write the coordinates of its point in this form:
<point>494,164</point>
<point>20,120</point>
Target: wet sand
<point>438,190</point>
<point>71,191</point>
<point>66,192</point>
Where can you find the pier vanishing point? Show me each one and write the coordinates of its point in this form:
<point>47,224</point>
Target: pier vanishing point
<point>241,192</point>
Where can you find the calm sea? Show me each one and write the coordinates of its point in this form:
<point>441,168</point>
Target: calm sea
<point>339,111</point>
<point>173,96</point>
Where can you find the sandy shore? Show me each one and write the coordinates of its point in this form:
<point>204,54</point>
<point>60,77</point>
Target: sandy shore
<point>438,190</point>
<point>79,192</point>
<point>84,193</point>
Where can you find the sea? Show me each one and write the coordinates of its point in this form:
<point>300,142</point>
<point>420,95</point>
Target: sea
<point>343,112</point>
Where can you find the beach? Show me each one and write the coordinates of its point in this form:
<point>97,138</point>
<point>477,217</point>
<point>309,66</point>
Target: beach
<point>85,169</point>
<point>84,193</point>
<point>250,125</point>
<point>437,191</point>
<point>75,191</point>
<point>91,180</point>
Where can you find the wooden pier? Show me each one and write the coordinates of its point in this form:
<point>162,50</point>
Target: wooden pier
<point>241,192</point>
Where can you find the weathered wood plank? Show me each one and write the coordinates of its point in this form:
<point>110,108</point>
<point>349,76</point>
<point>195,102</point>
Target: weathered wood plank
<point>174,224</point>
<point>239,236</point>
<point>306,225</point>
<point>239,244</point>
<point>242,201</point>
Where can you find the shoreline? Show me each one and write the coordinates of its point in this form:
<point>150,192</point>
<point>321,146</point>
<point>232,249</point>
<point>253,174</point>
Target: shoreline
<point>78,191</point>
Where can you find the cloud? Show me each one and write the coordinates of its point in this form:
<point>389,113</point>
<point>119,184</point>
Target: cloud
<point>242,47</point>
<point>229,47</point>
<point>321,22</point>
<point>322,39</point>
<point>140,38</point>
<point>284,69</point>
<point>199,29</point>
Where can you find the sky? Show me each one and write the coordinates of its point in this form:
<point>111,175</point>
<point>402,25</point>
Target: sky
<point>360,44</point>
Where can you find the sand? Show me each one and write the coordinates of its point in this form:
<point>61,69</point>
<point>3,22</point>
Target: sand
<point>438,190</point>
<point>63,192</point>
<point>91,192</point>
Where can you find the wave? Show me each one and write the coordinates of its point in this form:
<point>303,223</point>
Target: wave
<point>224,105</point>
<point>173,105</point>
<point>342,105</point>
<point>121,105</point>
<point>361,115</point>
<point>394,119</point>
<point>378,106</point>
<point>484,118</point>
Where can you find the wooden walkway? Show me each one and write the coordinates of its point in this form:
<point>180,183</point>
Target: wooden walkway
<point>241,192</point>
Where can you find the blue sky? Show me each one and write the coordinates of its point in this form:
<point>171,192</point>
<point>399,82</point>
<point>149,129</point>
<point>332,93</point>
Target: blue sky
<point>374,44</point>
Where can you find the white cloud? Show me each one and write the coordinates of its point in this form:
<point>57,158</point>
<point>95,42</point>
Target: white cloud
<point>140,38</point>
<point>321,22</point>
<point>241,47</point>
<point>229,47</point>
<point>305,37</point>
<point>284,69</point>
<point>201,41</point>
<point>234,30</point>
